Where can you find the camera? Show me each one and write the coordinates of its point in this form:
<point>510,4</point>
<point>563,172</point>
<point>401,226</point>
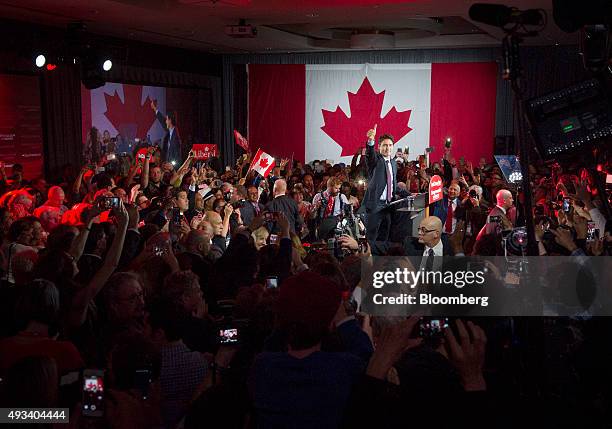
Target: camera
<point>239,204</point>
<point>473,194</point>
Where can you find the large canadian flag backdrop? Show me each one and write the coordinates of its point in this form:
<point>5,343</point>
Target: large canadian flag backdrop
<point>313,112</point>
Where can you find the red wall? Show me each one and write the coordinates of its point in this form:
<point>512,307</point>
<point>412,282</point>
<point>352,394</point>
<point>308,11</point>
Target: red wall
<point>20,124</point>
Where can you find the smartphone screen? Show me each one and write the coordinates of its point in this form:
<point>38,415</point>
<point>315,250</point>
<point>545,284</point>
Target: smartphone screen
<point>431,327</point>
<point>271,282</point>
<point>566,205</point>
<point>228,336</point>
<point>273,238</point>
<point>93,393</point>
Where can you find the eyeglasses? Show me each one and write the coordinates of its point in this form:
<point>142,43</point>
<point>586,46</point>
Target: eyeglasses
<point>422,230</point>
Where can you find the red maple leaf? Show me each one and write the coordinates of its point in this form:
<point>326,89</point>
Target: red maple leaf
<point>366,107</point>
<point>263,162</point>
<point>130,116</point>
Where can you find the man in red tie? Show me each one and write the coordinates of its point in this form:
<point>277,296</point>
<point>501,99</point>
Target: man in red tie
<point>449,209</point>
<point>328,205</point>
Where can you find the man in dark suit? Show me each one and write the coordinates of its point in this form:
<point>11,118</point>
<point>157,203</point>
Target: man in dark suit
<point>252,207</point>
<point>450,209</point>
<point>429,243</point>
<point>171,143</point>
<point>382,171</point>
<point>285,204</point>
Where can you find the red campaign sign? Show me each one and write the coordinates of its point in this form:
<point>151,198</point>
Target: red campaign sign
<point>204,151</point>
<point>435,189</point>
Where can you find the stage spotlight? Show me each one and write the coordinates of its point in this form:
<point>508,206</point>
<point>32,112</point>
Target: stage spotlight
<point>107,65</point>
<point>40,60</point>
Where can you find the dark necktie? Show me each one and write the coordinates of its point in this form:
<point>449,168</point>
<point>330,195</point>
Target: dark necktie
<point>389,182</point>
<point>448,225</point>
<point>430,260</point>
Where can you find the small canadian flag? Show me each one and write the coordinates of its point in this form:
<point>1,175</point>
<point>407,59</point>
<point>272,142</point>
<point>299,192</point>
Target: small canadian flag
<point>262,163</point>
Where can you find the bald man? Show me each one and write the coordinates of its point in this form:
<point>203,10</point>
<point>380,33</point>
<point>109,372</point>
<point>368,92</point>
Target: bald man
<point>284,204</point>
<point>51,212</point>
<point>504,201</point>
<point>216,223</point>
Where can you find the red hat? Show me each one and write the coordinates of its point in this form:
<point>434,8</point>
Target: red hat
<point>309,298</point>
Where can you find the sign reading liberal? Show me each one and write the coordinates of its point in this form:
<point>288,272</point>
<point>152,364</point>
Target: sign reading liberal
<point>204,151</point>
<point>435,189</point>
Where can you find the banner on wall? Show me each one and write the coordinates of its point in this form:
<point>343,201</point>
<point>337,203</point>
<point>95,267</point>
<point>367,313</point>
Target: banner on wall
<point>325,111</point>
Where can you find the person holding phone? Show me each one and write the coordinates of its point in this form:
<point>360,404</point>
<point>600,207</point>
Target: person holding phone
<point>382,183</point>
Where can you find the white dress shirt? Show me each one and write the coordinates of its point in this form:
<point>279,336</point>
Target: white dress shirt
<point>438,251</point>
<point>387,159</point>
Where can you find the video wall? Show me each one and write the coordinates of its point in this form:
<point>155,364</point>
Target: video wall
<point>125,111</point>
<point>21,139</point>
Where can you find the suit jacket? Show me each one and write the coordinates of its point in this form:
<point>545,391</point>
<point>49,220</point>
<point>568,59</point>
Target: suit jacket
<point>377,178</point>
<point>247,212</point>
<point>491,227</point>
<point>289,207</point>
<point>410,247</point>
<point>440,209</point>
<point>171,146</point>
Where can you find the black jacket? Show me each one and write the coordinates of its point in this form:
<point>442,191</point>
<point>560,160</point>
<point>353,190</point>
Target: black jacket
<point>377,178</point>
<point>247,212</point>
<point>172,153</point>
<point>289,207</point>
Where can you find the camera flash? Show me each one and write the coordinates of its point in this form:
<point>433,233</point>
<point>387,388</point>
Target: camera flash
<point>173,162</point>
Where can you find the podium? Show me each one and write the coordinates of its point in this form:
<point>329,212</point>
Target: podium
<point>414,205</point>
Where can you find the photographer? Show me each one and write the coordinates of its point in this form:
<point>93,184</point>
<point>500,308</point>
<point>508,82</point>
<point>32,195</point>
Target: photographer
<point>328,207</point>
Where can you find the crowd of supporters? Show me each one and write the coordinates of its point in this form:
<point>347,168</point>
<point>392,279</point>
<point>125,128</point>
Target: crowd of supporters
<point>210,282</point>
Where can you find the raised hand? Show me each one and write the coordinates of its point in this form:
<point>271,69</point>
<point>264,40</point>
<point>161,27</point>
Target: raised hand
<point>467,354</point>
<point>372,133</point>
<point>392,343</point>
<point>134,192</point>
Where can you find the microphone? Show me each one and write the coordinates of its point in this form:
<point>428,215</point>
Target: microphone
<point>499,15</point>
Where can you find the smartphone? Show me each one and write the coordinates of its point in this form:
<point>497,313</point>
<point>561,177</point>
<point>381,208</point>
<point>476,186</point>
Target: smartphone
<point>430,327</point>
<point>176,216</point>
<point>93,392</point>
<point>447,142</point>
<point>592,232</point>
<point>111,156</point>
<point>229,335</point>
<point>363,244</point>
<point>108,203</point>
<point>566,205</point>
<point>271,282</point>
<point>159,250</point>
<point>143,378</point>
<point>273,238</point>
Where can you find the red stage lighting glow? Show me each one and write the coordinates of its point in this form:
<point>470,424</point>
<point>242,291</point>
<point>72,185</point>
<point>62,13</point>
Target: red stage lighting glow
<point>51,67</point>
